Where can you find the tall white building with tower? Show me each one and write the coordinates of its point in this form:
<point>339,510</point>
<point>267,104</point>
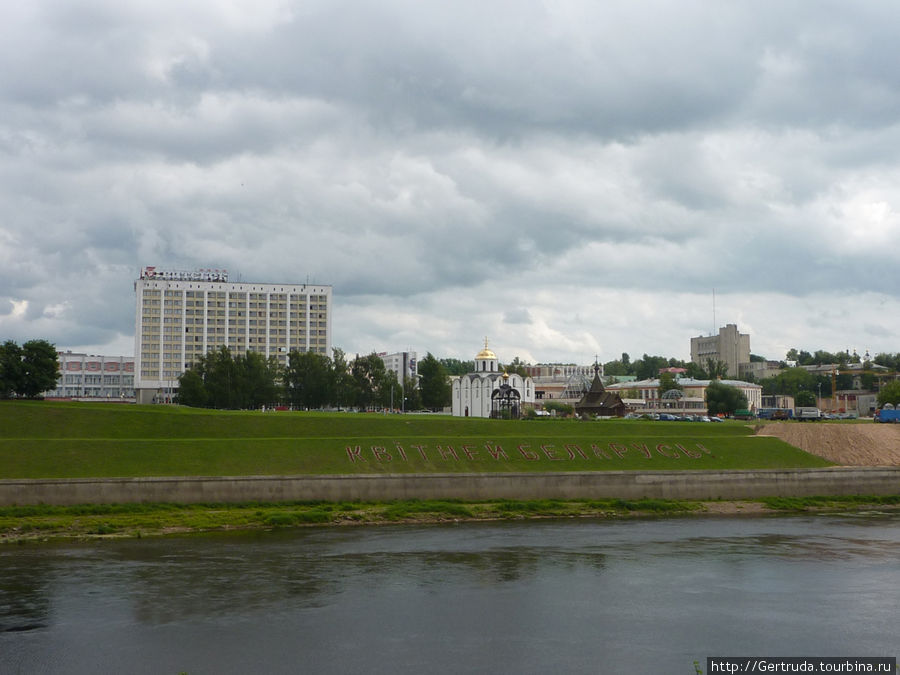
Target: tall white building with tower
<point>730,346</point>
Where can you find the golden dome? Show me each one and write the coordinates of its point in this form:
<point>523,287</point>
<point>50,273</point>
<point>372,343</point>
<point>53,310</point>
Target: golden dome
<point>486,353</point>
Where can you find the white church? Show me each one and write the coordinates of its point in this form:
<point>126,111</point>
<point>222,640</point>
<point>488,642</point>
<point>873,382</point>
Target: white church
<point>487,392</point>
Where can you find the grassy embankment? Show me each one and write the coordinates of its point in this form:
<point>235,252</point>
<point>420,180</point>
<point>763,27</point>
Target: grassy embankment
<point>72,440</point>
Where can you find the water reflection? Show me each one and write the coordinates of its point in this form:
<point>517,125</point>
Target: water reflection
<point>509,597</point>
<point>24,596</point>
<point>168,587</point>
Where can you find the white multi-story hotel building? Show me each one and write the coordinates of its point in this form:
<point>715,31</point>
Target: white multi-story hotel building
<point>183,315</point>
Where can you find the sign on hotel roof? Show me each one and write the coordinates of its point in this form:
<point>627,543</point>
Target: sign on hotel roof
<point>182,275</point>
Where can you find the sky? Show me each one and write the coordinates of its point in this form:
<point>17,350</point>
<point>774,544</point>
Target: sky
<point>572,180</point>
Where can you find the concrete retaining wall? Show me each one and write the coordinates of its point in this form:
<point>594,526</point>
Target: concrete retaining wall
<point>697,485</point>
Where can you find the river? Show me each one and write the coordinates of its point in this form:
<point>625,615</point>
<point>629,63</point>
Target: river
<point>572,596</point>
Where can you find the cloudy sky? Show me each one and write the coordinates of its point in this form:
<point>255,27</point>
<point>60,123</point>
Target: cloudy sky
<point>570,179</point>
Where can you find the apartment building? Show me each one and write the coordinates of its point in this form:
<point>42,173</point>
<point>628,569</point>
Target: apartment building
<point>401,364</point>
<point>182,315</point>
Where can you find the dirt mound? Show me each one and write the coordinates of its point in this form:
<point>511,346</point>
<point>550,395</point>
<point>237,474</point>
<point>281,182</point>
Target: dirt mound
<point>848,444</point>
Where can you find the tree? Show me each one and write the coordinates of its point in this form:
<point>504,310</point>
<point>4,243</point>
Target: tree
<point>616,368</point>
<point>716,369</point>
<point>667,382</point>
<point>256,379</point>
<point>516,366</point>
<point>890,393</point>
<point>309,380</point>
<point>219,380</point>
<point>411,394</point>
<point>724,399</point>
<point>695,371</point>
<point>191,389</point>
<point>434,384</point>
<point>790,381</point>
<point>867,380</point>
<point>29,370</point>
<point>372,384</point>
<point>890,361</point>
<point>341,382</point>
<point>648,367</point>
<point>10,368</point>
<point>457,367</point>
<point>805,399</point>
<point>621,366</point>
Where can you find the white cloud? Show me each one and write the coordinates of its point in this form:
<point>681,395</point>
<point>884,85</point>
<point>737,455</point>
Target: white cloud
<point>569,180</point>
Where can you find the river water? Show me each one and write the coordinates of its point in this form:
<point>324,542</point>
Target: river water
<point>583,596</point>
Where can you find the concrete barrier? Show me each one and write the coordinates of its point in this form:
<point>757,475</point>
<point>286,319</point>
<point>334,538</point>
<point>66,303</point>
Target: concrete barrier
<point>695,485</point>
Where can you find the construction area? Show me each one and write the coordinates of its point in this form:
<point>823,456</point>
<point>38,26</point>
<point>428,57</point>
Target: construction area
<point>846,444</point>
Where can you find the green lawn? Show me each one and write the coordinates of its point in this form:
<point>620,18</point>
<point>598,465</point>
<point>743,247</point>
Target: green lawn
<point>79,440</point>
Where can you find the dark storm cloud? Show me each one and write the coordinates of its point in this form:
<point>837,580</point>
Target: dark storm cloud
<point>458,167</point>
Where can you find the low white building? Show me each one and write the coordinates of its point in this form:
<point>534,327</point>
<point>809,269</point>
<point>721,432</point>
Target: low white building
<point>487,392</point>
<point>692,398</point>
<point>86,377</point>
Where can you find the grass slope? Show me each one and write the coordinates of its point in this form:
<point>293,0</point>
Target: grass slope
<point>78,440</point>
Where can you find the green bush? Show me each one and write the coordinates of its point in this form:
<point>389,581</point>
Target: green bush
<point>400,510</point>
<point>562,409</point>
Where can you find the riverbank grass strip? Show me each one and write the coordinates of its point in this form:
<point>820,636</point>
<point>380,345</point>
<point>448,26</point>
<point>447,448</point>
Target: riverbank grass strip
<point>21,524</point>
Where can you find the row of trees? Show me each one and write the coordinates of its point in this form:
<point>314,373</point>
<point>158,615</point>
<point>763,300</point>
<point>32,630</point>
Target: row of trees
<point>223,380</point>
<point>28,370</point>
<point>648,367</point>
<point>308,380</point>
